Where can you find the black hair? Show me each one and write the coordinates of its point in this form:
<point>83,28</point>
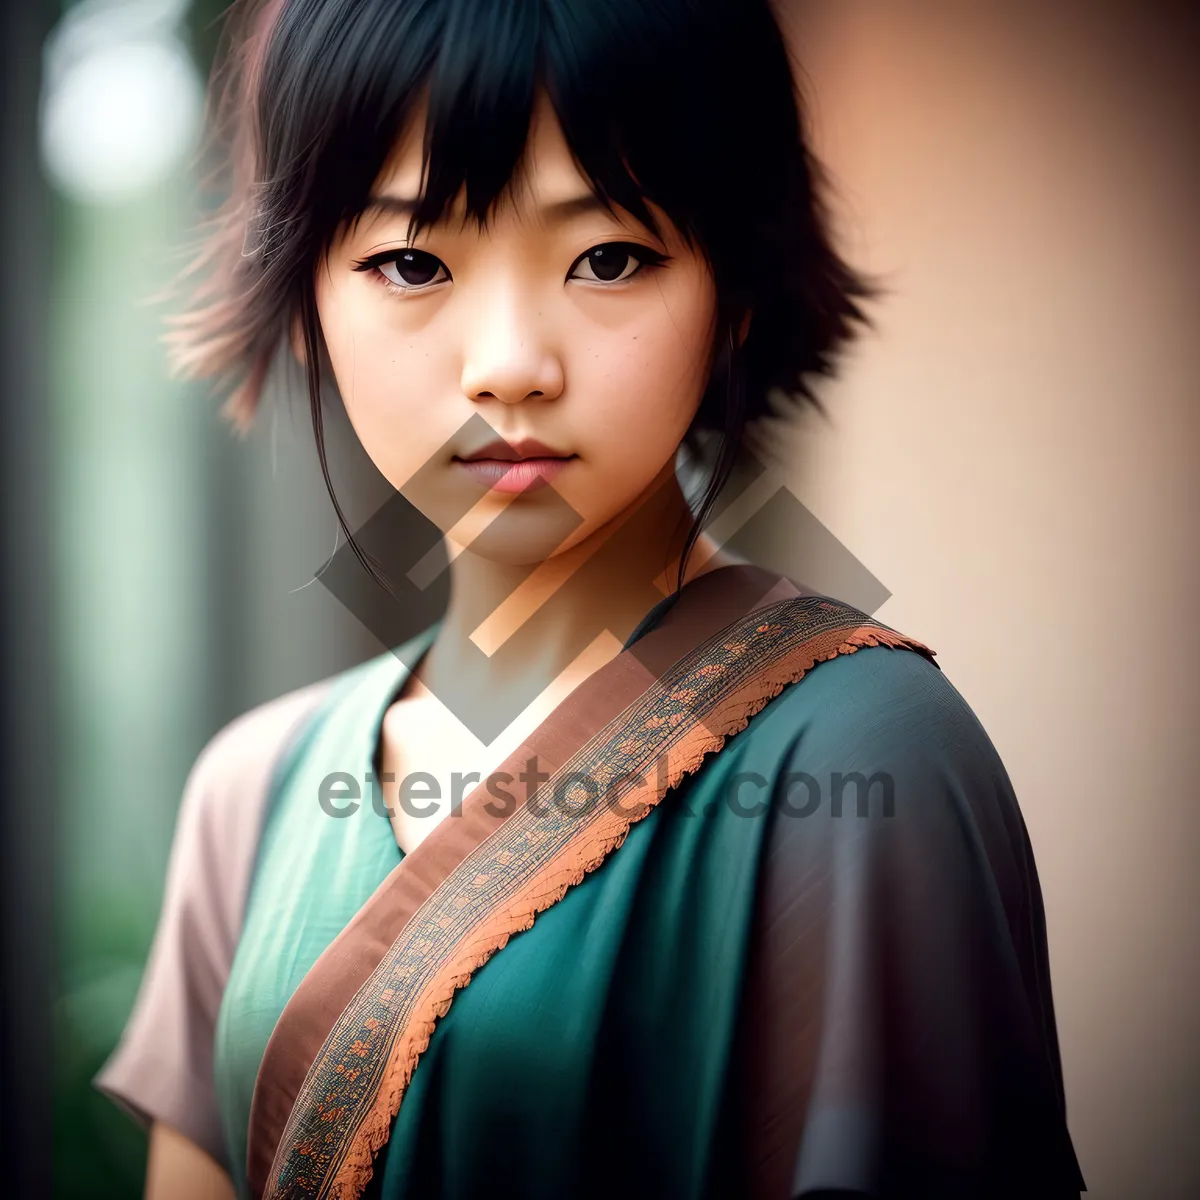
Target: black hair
<point>691,104</point>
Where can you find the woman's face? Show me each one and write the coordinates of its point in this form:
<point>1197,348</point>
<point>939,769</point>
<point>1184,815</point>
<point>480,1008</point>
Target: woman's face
<point>560,325</point>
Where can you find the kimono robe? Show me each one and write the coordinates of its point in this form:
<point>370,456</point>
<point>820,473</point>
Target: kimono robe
<point>769,926</point>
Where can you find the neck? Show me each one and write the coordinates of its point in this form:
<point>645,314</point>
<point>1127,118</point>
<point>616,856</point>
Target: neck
<point>512,631</point>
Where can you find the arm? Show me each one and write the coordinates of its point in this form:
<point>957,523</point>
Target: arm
<point>162,1071</point>
<point>178,1169</point>
<point>902,1039</point>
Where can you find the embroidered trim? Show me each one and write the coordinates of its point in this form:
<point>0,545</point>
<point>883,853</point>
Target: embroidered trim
<point>344,1113</point>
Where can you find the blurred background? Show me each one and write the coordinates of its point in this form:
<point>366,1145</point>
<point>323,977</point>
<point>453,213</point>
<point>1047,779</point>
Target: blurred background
<point>1013,453</point>
<point>173,556</point>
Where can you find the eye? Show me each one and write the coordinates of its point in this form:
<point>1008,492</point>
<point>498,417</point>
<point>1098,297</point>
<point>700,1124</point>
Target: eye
<point>614,262</point>
<point>408,270</point>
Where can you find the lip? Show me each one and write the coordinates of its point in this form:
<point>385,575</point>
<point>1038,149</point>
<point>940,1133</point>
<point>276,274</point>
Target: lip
<point>524,465</point>
<point>500,450</point>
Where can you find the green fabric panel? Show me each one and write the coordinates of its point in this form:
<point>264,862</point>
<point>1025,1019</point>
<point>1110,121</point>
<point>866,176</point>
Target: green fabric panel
<point>590,1056</point>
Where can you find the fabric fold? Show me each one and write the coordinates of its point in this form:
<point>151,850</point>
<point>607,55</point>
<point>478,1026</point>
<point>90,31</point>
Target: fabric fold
<point>345,1048</point>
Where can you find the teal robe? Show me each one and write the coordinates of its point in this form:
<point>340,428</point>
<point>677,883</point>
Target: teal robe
<point>783,982</point>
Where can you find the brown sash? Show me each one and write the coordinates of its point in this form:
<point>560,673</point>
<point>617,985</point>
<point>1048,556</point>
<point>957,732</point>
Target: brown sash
<point>345,1047</point>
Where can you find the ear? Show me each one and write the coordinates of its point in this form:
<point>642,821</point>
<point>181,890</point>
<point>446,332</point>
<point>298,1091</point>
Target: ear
<point>744,328</point>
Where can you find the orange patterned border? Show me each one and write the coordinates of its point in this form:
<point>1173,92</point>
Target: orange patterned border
<point>352,1093</point>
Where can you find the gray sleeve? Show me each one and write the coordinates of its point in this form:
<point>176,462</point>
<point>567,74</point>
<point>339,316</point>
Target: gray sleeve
<point>902,1034</point>
<point>162,1068</point>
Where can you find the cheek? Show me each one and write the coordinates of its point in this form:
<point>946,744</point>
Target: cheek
<point>649,386</point>
<point>386,377</point>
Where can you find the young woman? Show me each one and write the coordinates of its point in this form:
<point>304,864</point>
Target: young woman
<point>566,897</point>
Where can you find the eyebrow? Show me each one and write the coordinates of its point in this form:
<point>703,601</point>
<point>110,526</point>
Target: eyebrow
<point>554,214</point>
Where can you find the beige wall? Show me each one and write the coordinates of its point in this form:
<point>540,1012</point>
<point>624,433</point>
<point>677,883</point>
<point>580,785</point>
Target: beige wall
<point>1014,455</point>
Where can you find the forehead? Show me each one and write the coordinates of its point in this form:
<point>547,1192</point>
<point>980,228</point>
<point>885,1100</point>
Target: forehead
<point>547,173</point>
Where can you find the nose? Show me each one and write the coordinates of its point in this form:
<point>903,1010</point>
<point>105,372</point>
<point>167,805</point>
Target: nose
<point>509,355</point>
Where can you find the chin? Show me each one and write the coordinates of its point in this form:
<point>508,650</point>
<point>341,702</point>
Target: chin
<point>529,530</point>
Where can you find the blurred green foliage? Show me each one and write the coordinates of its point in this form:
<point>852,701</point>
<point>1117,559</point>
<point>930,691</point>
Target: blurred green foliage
<point>132,664</point>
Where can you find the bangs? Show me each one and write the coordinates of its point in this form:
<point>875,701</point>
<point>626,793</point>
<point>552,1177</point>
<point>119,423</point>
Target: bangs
<point>687,108</point>
<point>635,90</point>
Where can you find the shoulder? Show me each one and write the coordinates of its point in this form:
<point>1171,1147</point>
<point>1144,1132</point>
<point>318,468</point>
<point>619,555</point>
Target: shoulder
<point>229,784</point>
<point>229,778</point>
<point>251,741</point>
<point>880,741</point>
<point>224,804</point>
<point>222,809</point>
<point>881,772</point>
<point>879,701</point>
<point>162,1068</point>
<point>897,872</point>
